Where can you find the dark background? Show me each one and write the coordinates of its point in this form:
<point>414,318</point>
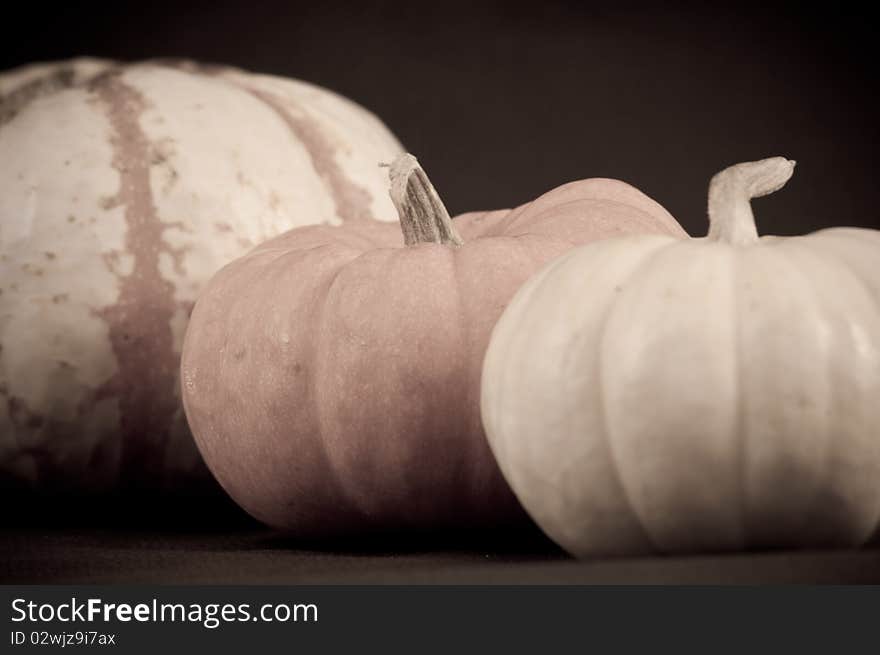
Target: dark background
<point>502,101</point>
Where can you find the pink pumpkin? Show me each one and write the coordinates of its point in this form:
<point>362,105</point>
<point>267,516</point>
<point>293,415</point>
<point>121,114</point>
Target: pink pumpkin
<point>331,377</point>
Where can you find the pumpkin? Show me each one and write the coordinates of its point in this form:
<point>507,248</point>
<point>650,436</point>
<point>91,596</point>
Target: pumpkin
<point>331,375</point>
<point>123,188</point>
<point>646,394</point>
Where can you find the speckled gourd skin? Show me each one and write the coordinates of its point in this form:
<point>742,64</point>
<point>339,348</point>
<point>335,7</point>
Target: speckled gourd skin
<point>123,188</point>
<point>331,376</point>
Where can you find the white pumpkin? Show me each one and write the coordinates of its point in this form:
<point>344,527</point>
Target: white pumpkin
<point>123,189</point>
<point>648,394</point>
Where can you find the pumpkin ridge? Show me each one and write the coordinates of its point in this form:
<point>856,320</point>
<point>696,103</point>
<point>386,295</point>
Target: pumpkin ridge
<point>55,76</point>
<point>840,233</point>
<point>351,200</point>
<point>503,362</point>
<point>797,248</point>
<point>318,349</point>
<point>662,214</point>
<point>466,334</point>
<point>324,235</point>
<point>785,255</point>
<point>272,256</point>
<point>742,444</point>
<point>812,472</point>
<point>144,349</point>
<point>645,222</point>
<point>478,224</point>
<point>636,200</point>
<point>640,268</point>
<point>12,103</point>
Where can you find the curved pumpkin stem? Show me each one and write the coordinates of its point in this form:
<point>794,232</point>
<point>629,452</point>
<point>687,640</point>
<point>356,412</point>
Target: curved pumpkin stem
<point>423,217</point>
<point>730,213</point>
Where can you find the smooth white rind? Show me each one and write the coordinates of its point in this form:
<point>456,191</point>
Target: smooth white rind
<point>645,394</point>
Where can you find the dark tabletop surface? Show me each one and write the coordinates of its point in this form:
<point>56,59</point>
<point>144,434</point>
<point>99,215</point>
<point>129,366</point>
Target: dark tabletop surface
<point>250,554</point>
<point>206,539</point>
